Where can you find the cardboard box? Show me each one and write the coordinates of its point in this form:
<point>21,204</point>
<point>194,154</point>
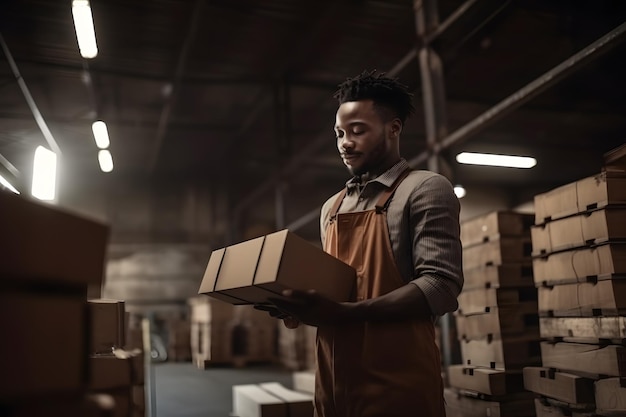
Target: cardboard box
<point>601,190</point>
<point>298,404</point>
<point>459,405</point>
<point>594,328</point>
<point>570,388</point>
<point>498,252</point>
<point>44,349</point>
<point>583,299</point>
<point>504,354</point>
<point>253,401</point>
<point>611,396</point>
<point>481,300</point>
<point>109,372</point>
<point>499,276</point>
<point>42,243</point>
<point>485,381</point>
<point>304,381</point>
<point>494,225</point>
<point>498,321</point>
<point>595,227</point>
<point>578,265</point>
<point>107,325</point>
<point>255,270</point>
<point>590,359</point>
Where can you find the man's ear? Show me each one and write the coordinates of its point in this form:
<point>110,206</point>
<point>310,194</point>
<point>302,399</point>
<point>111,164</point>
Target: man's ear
<point>395,128</point>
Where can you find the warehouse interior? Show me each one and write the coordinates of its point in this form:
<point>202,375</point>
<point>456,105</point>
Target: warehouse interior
<point>220,116</point>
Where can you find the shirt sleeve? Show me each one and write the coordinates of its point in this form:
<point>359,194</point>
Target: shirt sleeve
<point>436,243</point>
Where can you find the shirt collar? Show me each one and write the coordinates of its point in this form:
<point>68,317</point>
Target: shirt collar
<point>387,178</point>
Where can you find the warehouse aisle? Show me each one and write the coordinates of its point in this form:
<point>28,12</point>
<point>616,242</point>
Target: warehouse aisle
<point>183,390</point>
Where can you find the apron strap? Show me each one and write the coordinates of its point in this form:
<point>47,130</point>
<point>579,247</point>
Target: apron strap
<point>385,197</point>
<point>337,204</point>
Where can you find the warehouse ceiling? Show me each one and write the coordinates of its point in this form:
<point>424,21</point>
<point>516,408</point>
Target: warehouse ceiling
<point>241,91</point>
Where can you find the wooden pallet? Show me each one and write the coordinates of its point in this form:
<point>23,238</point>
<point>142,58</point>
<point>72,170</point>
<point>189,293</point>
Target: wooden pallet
<point>461,404</point>
<point>503,354</point>
<point>611,328</point>
<point>611,397</point>
<point>545,407</point>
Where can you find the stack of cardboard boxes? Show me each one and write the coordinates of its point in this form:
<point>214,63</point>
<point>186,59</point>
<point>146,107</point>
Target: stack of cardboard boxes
<point>113,370</point>
<point>49,259</point>
<point>497,321</point>
<point>579,244</point>
<point>224,334</point>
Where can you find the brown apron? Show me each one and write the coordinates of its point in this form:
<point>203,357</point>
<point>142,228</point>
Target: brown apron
<point>386,369</point>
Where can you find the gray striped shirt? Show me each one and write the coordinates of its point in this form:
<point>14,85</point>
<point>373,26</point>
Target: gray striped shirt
<point>423,221</point>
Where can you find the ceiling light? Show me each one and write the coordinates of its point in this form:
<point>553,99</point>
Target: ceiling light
<point>508,161</point>
<point>44,174</point>
<point>106,160</point>
<point>101,134</point>
<point>459,191</point>
<point>85,32</point>
<point>7,185</point>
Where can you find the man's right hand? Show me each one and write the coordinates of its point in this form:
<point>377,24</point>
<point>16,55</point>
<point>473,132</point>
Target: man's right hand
<point>288,321</point>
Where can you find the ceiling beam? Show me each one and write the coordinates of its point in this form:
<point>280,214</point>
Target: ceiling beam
<point>170,102</point>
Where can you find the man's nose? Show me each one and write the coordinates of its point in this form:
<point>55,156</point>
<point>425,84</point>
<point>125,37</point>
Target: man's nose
<point>345,143</point>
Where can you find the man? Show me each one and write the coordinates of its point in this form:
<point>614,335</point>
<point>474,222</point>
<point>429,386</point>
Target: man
<point>399,228</point>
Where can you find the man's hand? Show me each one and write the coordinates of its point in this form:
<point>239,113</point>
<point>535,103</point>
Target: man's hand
<point>311,308</point>
<point>288,321</point>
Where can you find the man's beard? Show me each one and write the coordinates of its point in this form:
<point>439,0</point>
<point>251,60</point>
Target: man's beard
<point>374,158</point>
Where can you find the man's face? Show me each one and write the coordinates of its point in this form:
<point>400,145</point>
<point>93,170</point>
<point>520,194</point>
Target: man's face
<point>361,136</point>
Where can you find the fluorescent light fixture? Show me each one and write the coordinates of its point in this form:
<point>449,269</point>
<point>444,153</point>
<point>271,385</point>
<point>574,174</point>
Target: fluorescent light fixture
<point>7,185</point>
<point>106,160</point>
<point>44,174</point>
<point>495,160</point>
<point>85,32</point>
<point>459,191</point>
<point>101,134</point>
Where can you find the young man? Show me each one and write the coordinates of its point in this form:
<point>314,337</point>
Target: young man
<point>399,228</point>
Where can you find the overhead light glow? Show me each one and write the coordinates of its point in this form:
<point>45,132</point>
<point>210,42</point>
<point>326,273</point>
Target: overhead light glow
<point>459,191</point>
<point>7,185</point>
<point>101,134</point>
<point>85,32</point>
<point>106,160</point>
<point>44,174</point>
<point>495,160</point>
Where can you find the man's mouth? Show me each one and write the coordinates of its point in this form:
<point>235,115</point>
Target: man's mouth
<point>348,157</point>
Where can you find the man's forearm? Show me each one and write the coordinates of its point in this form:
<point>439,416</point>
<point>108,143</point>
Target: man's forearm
<point>406,302</point>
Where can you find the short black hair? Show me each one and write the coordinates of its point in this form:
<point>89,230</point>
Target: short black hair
<point>384,91</point>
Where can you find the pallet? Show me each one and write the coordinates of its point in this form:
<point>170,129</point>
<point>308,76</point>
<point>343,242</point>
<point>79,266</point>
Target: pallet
<point>609,360</point>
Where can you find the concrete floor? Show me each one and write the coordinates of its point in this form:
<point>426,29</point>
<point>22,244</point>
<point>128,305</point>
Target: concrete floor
<point>183,390</point>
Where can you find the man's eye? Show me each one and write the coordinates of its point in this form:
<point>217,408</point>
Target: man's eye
<point>358,132</point>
